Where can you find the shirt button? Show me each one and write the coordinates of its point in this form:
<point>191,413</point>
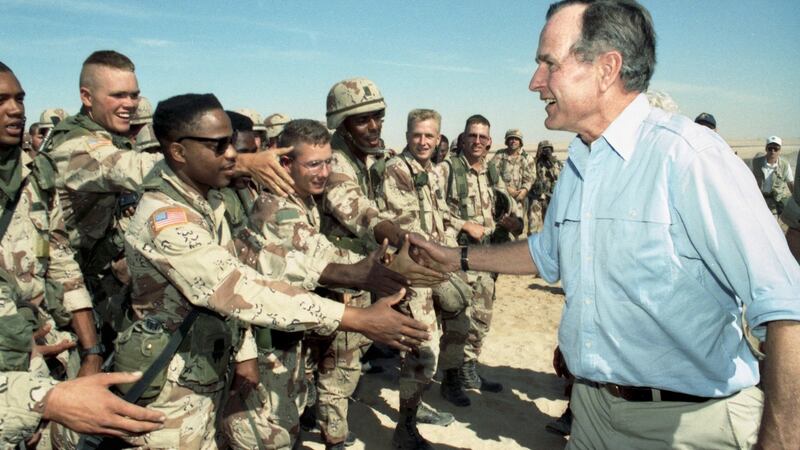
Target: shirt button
<point>588,215</point>
<point>588,345</point>
<point>587,301</point>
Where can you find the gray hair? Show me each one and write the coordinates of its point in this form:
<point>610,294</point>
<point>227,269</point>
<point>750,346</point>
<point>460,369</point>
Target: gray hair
<point>621,25</point>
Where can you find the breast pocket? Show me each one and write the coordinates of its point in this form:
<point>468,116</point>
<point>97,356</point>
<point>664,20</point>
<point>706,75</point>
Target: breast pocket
<point>39,238</point>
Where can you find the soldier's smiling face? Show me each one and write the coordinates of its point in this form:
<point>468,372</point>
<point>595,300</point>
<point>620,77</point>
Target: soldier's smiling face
<point>477,141</point>
<point>310,168</point>
<point>422,139</point>
<point>111,98</point>
<point>366,128</point>
<point>12,110</point>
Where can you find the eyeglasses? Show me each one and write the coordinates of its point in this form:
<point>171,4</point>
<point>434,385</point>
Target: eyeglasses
<point>364,119</point>
<point>220,144</point>
<point>316,165</point>
<point>478,137</point>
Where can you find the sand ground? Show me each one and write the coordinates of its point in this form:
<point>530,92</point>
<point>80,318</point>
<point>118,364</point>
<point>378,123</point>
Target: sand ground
<point>518,353</point>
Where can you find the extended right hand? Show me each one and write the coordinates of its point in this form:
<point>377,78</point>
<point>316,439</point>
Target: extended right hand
<point>266,169</point>
<point>85,405</point>
<point>474,230</point>
<point>418,275</point>
<point>381,323</point>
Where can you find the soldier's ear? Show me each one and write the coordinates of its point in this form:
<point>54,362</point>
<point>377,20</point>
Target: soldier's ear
<point>86,97</point>
<point>177,152</point>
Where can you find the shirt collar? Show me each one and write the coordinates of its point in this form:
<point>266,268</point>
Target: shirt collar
<point>623,132</point>
<point>620,135</point>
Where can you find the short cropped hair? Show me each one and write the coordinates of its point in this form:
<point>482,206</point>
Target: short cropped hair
<point>176,116</point>
<point>240,122</point>
<point>476,119</point>
<point>4,68</point>
<point>304,131</point>
<point>621,25</point>
<point>105,58</point>
<point>419,115</point>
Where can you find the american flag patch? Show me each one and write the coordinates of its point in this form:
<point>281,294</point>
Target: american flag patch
<point>168,217</point>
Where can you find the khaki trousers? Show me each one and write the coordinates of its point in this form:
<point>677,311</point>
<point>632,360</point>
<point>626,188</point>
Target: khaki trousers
<point>602,421</point>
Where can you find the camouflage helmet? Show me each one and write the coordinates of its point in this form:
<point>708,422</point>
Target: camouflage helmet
<point>45,119</point>
<point>144,112</point>
<point>544,144</point>
<point>258,124</point>
<point>146,138</point>
<point>351,97</point>
<point>515,133</point>
<point>275,123</point>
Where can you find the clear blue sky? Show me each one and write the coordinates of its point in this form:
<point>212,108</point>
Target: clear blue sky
<point>739,60</point>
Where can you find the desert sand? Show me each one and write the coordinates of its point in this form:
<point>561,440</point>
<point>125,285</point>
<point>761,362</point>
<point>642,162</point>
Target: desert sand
<point>518,353</point>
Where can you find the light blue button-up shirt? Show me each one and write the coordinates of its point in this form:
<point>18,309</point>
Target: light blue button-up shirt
<point>659,235</point>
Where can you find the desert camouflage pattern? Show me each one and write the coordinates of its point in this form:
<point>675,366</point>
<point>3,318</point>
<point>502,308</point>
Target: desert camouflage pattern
<point>181,255</point>
<point>274,124</point>
<point>542,190</point>
<point>93,167</point>
<point>780,193</point>
<point>351,97</point>
<point>46,117</point>
<point>255,116</point>
<point>269,414</point>
<point>144,112</point>
<point>480,197</point>
<point>19,393</point>
<point>295,223</point>
<point>517,171</point>
<point>348,199</point>
<point>35,247</point>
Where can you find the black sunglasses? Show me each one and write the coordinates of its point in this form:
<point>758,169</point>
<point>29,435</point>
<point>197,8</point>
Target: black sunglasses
<point>220,144</point>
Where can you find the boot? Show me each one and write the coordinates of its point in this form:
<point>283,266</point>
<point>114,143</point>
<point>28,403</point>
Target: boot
<point>562,425</point>
<point>452,390</point>
<point>468,373</point>
<point>406,436</point>
<point>426,414</point>
<point>348,442</point>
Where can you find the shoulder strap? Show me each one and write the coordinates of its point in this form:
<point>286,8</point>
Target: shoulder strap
<point>494,177</point>
<point>458,173</point>
<point>376,172</point>
<point>422,222</point>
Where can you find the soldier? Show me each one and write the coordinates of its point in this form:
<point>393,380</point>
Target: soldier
<point>141,131</point>
<point>516,167</point>
<point>185,275</point>
<point>294,222</point>
<point>473,189</point>
<point>411,195</point>
<point>547,169</point>
<point>774,176</point>
<point>258,126</point>
<point>40,285</point>
<point>39,130</point>
<point>707,120</point>
<point>245,140</point>
<point>274,126</point>
<point>442,150</point>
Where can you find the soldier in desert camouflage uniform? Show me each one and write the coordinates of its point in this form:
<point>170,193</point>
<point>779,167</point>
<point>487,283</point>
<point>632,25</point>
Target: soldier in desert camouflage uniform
<point>258,126</point>
<point>547,169</point>
<point>40,283</point>
<point>516,167</point>
<point>274,124</point>
<point>411,195</point>
<point>182,259</point>
<point>474,186</point>
<point>44,125</point>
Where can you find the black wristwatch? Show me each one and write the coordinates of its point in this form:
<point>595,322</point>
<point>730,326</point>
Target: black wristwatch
<point>96,349</point>
<point>465,258</point>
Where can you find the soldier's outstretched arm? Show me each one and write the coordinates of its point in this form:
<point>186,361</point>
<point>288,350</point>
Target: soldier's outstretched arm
<point>381,323</point>
<point>266,169</point>
<point>96,165</point>
<point>512,258</point>
<point>369,274</point>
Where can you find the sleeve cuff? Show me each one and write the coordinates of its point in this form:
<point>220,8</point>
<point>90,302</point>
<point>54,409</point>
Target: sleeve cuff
<point>77,299</point>
<point>548,269</point>
<point>328,311</point>
<point>20,397</point>
<point>760,312</point>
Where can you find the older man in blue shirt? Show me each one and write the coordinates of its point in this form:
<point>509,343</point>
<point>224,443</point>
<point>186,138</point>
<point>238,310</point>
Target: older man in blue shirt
<point>664,248</point>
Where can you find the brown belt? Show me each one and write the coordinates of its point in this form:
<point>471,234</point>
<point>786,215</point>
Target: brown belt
<point>645,394</point>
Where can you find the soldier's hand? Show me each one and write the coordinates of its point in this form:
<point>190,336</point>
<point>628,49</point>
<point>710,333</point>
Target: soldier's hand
<point>378,278</point>
<point>246,376</point>
<point>48,350</point>
<point>381,323</point>
<point>521,195</point>
<point>85,405</point>
<point>417,274</point>
<point>266,169</point>
<point>474,230</point>
<point>443,259</point>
